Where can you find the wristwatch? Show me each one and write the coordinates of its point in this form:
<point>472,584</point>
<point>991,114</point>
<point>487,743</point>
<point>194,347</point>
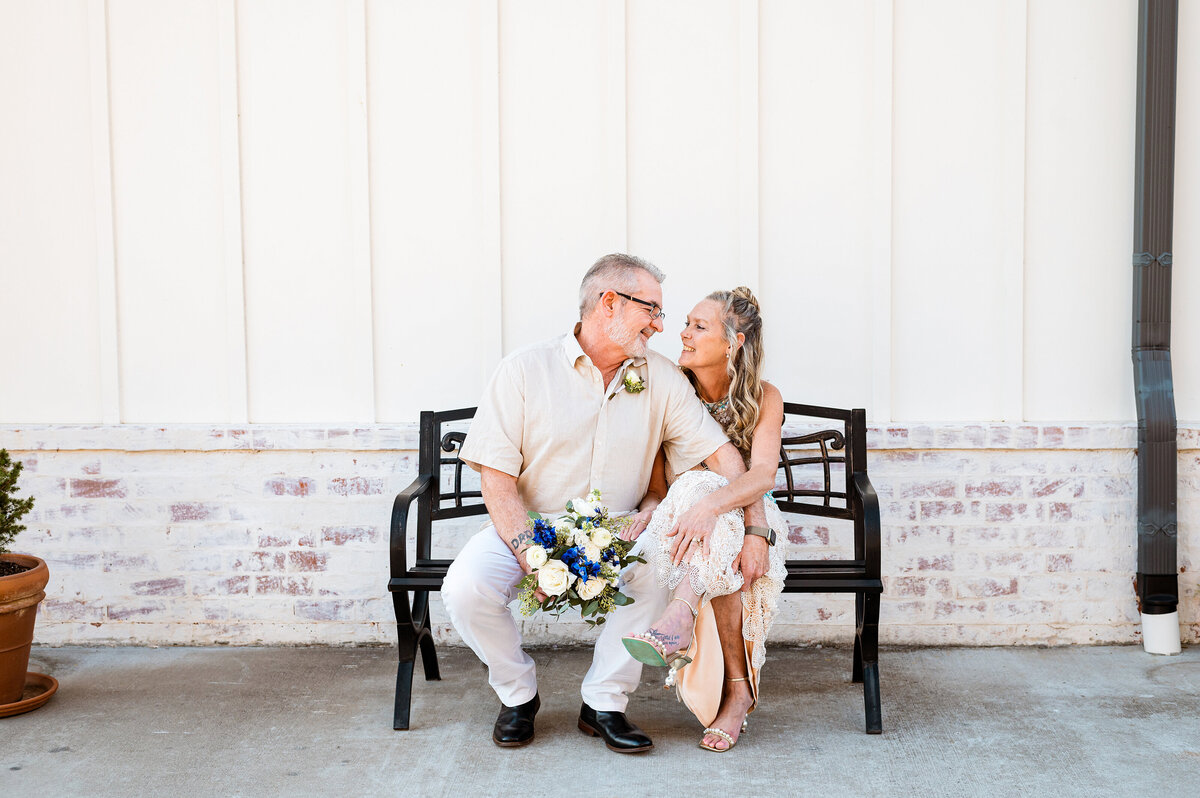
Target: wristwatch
<point>762,532</point>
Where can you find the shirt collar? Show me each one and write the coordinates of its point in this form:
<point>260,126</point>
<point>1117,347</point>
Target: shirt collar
<point>574,351</point>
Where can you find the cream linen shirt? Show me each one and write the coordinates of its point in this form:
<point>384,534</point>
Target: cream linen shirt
<point>547,420</point>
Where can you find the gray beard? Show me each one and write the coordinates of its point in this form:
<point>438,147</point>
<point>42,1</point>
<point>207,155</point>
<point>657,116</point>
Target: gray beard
<point>630,342</point>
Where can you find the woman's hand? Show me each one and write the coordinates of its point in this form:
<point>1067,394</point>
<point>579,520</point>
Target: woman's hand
<point>753,560</point>
<point>691,531</point>
<point>637,525</point>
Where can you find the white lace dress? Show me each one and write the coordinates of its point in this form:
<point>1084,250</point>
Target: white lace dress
<point>712,574</point>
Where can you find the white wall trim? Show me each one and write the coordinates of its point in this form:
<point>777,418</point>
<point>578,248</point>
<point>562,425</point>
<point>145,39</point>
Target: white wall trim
<point>1015,37</point>
<point>491,255</point>
<point>616,116</point>
<point>748,144</point>
<point>879,209</point>
<point>358,167</point>
<point>102,191</point>
<point>232,253</point>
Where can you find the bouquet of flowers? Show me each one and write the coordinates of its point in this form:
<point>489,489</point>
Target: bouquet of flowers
<point>576,561</point>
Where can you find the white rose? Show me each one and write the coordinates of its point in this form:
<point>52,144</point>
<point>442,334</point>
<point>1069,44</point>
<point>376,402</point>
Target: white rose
<point>585,507</point>
<point>591,588</point>
<point>536,557</point>
<point>592,552</point>
<point>564,525</point>
<point>580,538</point>
<point>616,580</point>
<point>601,538</point>
<point>554,578</point>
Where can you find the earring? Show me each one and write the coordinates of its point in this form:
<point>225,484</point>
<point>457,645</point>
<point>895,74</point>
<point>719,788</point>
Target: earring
<point>727,353</point>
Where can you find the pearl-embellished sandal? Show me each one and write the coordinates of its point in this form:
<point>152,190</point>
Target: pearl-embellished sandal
<point>724,735</point>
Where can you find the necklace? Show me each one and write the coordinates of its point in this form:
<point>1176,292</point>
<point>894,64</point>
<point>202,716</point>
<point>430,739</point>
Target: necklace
<point>717,407</point>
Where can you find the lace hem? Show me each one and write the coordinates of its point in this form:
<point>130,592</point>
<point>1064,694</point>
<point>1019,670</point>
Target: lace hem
<point>711,575</point>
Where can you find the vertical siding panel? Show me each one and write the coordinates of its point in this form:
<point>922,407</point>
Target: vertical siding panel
<point>308,345</point>
<point>167,197</point>
<point>684,187</point>
<point>818,130</point>
<point>1185,286</point>
<point>434,133</point>
<point>552,158</point>
<point>954,275</point>
<point>49,205</point>
<point>1079,210</point>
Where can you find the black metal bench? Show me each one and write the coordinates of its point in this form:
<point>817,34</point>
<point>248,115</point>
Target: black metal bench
<point>829,495</point>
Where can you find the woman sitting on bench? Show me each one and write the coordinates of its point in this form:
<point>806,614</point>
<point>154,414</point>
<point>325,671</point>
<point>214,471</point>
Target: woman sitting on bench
<point>725,572</point>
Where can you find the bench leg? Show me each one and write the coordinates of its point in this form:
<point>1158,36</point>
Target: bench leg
<point>404,674</point>
<point>856,670</point>
<point>429,661</point>
<point>868,634</point>
<point>407,634</point>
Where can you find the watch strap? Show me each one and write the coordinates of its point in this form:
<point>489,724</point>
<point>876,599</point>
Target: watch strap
<point>762,532</point>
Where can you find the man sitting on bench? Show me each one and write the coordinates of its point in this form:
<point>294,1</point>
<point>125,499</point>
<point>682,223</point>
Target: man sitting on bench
<point>557,420</point>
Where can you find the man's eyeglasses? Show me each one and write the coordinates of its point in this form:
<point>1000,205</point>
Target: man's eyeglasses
<point>655,311</point>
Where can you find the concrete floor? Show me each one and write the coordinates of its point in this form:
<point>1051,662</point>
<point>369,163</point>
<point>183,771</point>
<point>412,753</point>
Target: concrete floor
<point>317,721</point>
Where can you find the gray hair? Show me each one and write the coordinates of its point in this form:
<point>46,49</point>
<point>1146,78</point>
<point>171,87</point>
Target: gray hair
<point>615,272</point>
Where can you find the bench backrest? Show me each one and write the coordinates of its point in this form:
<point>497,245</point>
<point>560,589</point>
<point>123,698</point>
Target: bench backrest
<point>817,464</point>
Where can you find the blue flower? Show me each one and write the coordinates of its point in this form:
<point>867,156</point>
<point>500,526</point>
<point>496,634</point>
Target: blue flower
<point>580,565</point>
<point>544,534</point>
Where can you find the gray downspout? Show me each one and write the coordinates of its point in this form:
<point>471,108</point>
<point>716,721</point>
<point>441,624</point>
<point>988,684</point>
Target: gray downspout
<point>1154,187</point>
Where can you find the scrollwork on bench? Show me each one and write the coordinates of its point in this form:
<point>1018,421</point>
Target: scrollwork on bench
<point>452,443</point>
<point>827,439</point>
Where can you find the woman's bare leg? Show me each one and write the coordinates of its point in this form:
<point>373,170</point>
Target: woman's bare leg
<point>736,698</point>
<point>674,627</point>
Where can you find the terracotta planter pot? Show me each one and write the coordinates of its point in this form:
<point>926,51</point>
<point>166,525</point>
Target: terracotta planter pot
<point>19,596</point>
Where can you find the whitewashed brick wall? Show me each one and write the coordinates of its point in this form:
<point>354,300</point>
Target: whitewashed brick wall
<point>993,534</point>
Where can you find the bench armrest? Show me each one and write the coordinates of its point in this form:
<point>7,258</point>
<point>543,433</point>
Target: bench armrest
<point>399,532</point>
<point>868,505</point>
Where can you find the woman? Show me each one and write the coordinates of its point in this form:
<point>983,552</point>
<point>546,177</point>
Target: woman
<point>724,575</point>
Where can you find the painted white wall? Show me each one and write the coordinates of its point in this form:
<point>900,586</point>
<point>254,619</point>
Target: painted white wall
<point>347,210</point>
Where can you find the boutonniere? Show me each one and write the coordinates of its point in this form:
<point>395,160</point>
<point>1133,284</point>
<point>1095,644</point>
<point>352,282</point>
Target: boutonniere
<point>633,383</point>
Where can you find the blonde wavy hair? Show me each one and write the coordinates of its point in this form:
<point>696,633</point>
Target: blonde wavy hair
<point>741,315</point>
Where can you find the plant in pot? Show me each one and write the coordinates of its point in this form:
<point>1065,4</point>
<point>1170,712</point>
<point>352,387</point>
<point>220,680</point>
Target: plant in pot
<point>23,580</point>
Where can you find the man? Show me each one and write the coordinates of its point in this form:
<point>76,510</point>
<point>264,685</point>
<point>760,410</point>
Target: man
<point>555,422</point>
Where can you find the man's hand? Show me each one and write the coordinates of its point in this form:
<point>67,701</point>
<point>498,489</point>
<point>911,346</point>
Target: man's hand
<point>753,560</point>
<point>525,566</point>
<point>637,525</point>
<point>691,531</point>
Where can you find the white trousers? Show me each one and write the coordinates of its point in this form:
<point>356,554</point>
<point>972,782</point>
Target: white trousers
<point>482,582</point>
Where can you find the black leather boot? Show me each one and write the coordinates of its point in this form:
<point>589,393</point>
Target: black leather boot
<point>618,733</point>
<point>514,725</point>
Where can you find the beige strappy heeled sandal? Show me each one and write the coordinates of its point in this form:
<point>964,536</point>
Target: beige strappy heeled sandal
<point>724,735</point>
<point>649,647</point>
